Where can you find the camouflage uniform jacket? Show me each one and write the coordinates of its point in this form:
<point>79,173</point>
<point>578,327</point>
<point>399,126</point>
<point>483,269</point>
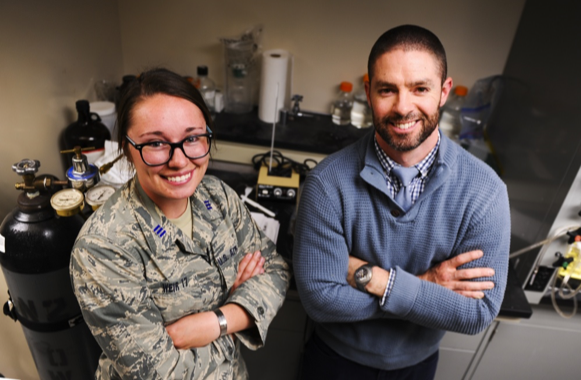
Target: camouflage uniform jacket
<point>134,272</point>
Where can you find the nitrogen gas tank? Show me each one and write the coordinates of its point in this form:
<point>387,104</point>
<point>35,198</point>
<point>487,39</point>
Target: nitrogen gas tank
<point>35,247</point>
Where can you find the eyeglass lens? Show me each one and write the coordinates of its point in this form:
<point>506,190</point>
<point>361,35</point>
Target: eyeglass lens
<point>160,152</point>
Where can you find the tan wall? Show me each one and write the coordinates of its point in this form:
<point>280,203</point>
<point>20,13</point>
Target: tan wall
<point>330,39</point>
<point>52,52</point>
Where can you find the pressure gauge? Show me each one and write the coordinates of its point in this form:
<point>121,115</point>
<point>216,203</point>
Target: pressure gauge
<point>98,195</point>
<point>67,202</point>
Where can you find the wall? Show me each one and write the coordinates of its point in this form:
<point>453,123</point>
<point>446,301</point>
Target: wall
<point>330,40</point>
<point>51,54</point>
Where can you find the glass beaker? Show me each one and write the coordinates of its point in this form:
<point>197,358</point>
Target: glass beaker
<point>240,76</point>
<point>238,89</point>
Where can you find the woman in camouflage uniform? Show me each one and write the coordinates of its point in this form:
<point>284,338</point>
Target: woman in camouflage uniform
<point>162,271</point>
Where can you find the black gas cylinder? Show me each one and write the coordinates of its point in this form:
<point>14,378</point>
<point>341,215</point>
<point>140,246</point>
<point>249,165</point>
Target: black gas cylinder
<point>35,249</point>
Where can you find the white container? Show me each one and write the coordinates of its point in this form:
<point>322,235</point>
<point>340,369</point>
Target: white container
<point>106,111</point>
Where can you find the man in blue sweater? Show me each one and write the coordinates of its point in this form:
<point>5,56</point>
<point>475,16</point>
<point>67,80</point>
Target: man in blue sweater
<point>386,265</point>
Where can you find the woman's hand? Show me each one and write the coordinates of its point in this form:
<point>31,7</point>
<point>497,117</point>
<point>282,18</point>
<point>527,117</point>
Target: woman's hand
<point>201,329</point>
<point>251,265</point>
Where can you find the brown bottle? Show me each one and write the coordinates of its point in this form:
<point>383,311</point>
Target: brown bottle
<point>87,131</point>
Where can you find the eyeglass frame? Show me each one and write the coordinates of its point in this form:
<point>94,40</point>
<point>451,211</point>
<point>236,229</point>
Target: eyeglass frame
<point>209,134</point>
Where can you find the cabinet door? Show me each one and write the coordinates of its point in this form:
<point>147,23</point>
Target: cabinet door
<point>280,358</point>
<point>456,352</point>
<point>543,347</point>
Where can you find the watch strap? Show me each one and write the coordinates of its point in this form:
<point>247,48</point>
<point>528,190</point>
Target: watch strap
<point>222,321</point>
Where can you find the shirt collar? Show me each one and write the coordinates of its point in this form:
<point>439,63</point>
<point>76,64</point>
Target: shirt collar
<point>423,166</point>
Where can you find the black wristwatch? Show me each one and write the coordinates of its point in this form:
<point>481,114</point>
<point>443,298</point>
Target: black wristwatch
<point>362,276</point>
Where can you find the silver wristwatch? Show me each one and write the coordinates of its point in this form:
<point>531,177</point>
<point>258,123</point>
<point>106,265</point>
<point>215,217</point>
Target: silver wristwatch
<point>362,276</point>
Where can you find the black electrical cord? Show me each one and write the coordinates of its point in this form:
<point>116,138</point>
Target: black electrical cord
<point>282,166</point>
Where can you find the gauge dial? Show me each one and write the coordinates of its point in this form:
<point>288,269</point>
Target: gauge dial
<point>98,195</point>
<point>67,202</point>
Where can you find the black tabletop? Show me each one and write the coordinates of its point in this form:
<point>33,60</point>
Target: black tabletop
<point>315,133</point>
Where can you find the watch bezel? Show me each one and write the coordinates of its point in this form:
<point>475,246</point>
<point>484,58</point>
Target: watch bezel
<point>362,280</point>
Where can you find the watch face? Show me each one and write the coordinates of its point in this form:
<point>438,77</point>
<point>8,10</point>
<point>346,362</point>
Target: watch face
<point>363,274</point>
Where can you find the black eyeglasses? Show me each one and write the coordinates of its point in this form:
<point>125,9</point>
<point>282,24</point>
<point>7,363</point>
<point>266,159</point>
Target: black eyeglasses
<point>158,153</point>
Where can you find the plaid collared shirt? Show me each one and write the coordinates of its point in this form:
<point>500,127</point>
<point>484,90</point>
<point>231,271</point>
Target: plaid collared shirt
<point>394,184</point>
<point>418,184</point>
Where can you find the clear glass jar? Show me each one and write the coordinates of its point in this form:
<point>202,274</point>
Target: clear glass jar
<point>342,105</point>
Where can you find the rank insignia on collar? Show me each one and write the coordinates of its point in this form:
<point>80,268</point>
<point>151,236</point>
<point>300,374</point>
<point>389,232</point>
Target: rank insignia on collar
<point>159,231</point>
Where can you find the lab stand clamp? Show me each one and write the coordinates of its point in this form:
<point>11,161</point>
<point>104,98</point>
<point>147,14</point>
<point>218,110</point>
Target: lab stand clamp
<point>286,115</point>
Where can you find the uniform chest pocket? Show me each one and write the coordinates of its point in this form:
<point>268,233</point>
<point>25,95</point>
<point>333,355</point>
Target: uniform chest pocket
<point>180,297</point>
<point>226,252</point>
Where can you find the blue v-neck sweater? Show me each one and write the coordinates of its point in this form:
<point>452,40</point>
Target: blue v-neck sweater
<point>345,209</point>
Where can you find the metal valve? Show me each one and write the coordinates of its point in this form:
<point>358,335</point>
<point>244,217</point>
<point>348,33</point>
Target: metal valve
<point>82,175</point>
<point>27,169</point>
<point>80,164</point>
<point>26,166</point>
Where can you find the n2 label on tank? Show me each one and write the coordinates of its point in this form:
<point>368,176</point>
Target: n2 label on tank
<point>35,298</point>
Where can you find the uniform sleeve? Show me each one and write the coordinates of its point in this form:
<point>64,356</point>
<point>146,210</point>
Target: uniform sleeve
<point>117,306</point>
<point>262,295</point>
<point>434,306</point>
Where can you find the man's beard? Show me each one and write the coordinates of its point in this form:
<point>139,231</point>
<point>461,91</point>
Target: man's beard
<point>410,141</point>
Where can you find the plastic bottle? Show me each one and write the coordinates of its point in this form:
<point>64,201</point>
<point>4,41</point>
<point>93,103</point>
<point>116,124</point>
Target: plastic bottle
<point>361,112</point>
<point>341,107</point>
<point>206,86</point>
<point>450,123</point>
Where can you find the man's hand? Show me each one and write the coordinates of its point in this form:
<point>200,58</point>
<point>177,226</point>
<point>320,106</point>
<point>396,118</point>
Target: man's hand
<point>251,265</point>
<point>449,276</point>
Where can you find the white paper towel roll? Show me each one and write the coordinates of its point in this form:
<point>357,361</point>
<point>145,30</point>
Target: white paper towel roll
<point>273,84</point>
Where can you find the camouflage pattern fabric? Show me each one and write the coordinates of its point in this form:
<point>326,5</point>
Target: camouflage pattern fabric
<point>134,272</point>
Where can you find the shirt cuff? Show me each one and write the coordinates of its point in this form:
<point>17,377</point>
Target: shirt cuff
<point>389,286</point>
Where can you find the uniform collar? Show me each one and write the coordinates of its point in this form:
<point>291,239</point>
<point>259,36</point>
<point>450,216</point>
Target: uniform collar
<point>161,234</point>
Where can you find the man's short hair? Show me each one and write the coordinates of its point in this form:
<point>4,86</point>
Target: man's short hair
<point>408,38</point>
